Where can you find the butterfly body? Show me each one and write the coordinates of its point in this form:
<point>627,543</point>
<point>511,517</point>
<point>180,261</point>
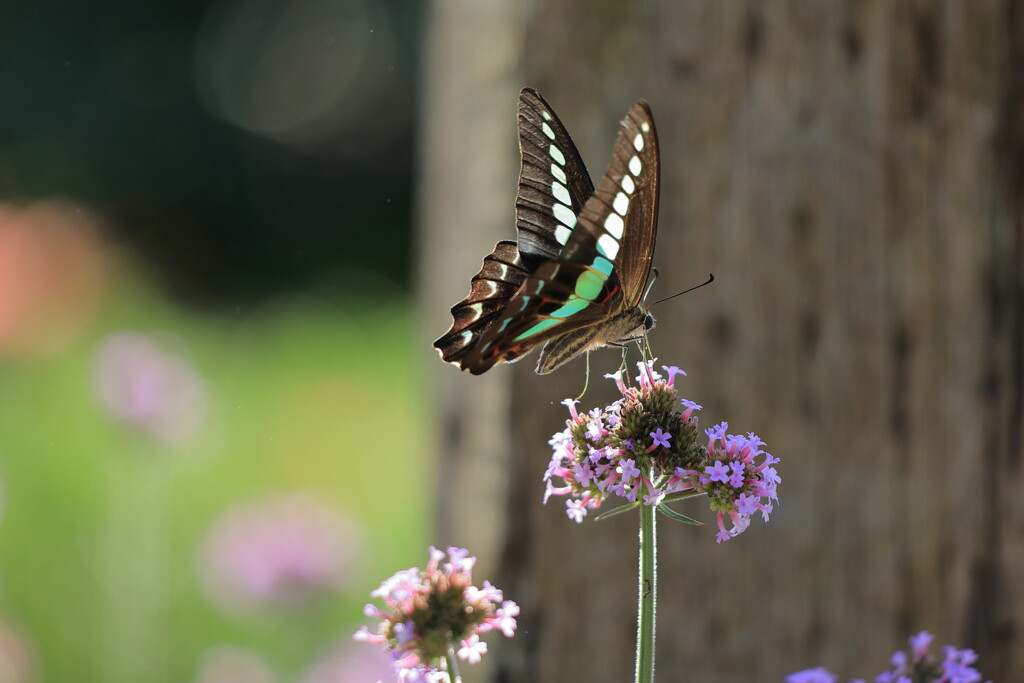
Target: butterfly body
<point>575,278</point>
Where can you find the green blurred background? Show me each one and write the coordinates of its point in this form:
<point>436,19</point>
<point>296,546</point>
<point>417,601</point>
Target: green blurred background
<point>210,200</point>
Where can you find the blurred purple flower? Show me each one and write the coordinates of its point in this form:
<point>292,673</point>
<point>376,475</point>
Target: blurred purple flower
<point>233,664</point>
<point>16,656</point>
<point>349,661</point>
<point>818,675</point>
<point>280,552</point>
<point>139,383</point>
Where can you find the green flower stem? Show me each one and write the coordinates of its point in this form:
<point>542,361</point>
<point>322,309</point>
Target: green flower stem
<point>452,665</point>
<point>647,599</point>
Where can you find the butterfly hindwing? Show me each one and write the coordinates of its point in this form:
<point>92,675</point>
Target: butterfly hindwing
<point>561,296</point>
<point>501,275</point>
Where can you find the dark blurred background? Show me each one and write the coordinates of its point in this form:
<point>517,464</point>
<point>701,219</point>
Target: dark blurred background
<point>243,148</point>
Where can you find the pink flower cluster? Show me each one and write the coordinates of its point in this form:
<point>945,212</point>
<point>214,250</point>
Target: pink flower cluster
<point>435,612</point>
<point>141,384</point>
<point>646,447</point>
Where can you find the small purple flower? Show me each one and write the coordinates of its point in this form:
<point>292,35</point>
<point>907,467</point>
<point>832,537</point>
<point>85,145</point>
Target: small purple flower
<point>690,407</point>
<point>661,438</point>
<point>432,611</point>
<point>672,372</point>
<point>738,474</point>
<point>628,470</point>
<point>717,472</point>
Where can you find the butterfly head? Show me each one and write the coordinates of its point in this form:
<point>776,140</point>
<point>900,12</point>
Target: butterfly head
<point>629,325</point>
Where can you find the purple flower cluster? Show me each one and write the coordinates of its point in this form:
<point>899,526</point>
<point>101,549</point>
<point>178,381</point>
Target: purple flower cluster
<point>646,447</point>
<point>434,612</point>
<point>955,666</point>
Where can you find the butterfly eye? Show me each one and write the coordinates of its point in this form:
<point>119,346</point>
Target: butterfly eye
<point>649,322</point>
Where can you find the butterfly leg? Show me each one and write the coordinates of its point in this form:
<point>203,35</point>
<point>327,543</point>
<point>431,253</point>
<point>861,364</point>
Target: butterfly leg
<point>645,349</point>
<point>586,382</point>
<point>623,367</point>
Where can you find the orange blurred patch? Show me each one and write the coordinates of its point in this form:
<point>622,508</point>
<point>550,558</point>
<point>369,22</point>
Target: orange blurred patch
<point>53,272</point>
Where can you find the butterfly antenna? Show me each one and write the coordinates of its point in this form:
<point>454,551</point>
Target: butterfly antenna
<point>711,278</point>
<point>650,283</point>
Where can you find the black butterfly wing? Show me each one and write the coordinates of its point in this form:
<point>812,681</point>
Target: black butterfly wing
<point>553,182</point>
<point>604,266</point>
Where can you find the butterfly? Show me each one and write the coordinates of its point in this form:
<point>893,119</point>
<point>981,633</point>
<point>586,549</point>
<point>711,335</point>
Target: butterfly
<point>575,278</point>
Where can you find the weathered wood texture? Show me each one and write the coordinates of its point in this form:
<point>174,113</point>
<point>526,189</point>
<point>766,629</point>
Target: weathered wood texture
<point>853,174</point>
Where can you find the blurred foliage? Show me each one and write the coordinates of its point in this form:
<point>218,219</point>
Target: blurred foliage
<point>305,395</point>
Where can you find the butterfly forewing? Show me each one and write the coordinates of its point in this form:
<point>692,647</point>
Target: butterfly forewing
<point>553,182</point>
<point>619,221</point>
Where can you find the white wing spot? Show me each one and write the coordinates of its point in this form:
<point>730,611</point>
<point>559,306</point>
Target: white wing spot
<point>547,116</point>
<point>557,171</point>
<point>557,155</point>
<point>503,271</point>
<point>494,288</point>
<point>638,142</point>
<point>562,234</point>
<point>608,245</point>
<point>614,225</point>
<point>477,309</point>
<point>627,184</point>
<point>467,336</point>
<point>565,215</point>
<point>561,194</point>
<point>635,166</point>
<point>547,131</point>
<point>620,204</point>
<point>645,127</point>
